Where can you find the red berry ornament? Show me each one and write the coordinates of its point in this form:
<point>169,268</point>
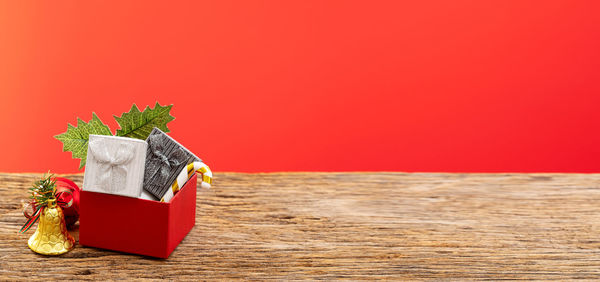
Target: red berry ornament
<point>72,212</point>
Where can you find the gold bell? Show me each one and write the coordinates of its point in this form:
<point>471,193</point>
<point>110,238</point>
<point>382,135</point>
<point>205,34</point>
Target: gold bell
<point>51,236</point>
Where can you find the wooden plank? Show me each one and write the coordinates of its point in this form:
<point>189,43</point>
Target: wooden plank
<point>351,226</point>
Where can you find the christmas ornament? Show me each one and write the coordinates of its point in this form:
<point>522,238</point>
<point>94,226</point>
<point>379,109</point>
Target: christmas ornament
<point>51,236</point>
<point>134,124</point>
<point>72,212</point>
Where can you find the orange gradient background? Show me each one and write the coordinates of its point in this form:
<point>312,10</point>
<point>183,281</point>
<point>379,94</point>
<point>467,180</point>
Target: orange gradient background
<point>474,86</point>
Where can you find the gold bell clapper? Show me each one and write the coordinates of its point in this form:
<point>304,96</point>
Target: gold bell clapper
<point>51,236</point>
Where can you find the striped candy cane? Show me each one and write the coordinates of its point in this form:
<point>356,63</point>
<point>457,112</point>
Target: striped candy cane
<point>185,174</point>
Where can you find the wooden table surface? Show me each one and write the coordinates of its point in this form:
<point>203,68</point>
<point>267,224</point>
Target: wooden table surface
<point>350,226</point>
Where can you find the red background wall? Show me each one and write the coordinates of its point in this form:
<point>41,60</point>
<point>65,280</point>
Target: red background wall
<point>312,85</point>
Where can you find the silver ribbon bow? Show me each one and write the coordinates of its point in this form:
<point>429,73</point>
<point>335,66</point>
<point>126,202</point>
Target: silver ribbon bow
<point>112,160</point>
<point>161,163</point>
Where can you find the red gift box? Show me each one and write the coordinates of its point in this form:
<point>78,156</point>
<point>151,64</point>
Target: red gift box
<point>138,226</point>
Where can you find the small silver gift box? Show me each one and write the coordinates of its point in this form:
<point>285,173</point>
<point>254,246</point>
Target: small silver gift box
<point>115,165</point>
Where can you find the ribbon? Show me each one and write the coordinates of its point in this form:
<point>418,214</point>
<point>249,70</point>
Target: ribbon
<point>38,209</point>
<point>112,170</point>
<point>160,163</point>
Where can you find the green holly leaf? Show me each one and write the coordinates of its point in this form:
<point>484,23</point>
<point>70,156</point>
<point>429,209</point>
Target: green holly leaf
<point>75,139</point>
<point>136,124</point>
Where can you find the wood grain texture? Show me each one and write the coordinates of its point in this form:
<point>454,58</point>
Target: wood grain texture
<point>350,226</point>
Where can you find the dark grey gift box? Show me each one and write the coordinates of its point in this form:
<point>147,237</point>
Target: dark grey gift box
<point>165,158</point>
